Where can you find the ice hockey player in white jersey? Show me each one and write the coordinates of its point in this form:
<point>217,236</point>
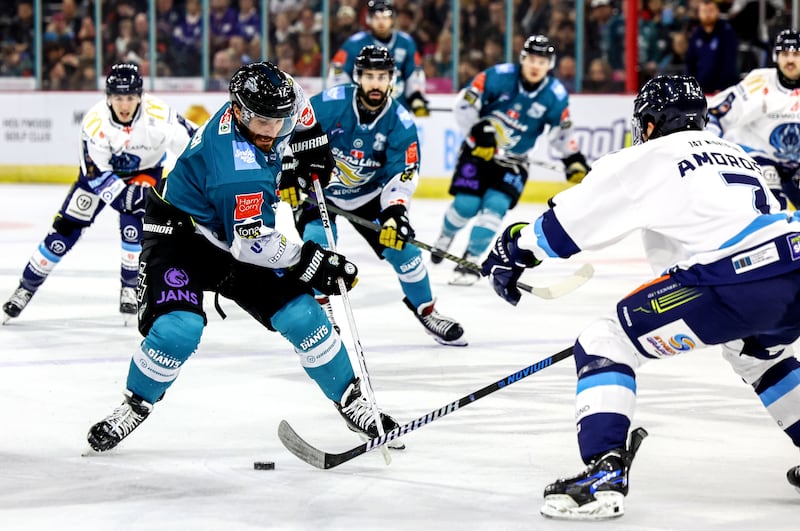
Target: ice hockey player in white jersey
<point>762,114</point>
<point>727,262</point>
<point>124,142</point>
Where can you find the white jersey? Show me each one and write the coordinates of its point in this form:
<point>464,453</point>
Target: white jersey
<point>697,199</point>
<point>142,145</point>
<point>761,115</point>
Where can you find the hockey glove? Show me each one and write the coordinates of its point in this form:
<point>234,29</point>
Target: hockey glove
<point>313,156</point>
<point>321,269</point>
<point>395,228</point>
<point>418,105</point>
<point>506,262</point>
<point>108,186</point>
<point>482,141</point>
<point>575,167</point>
<point>288,187</point>
<point>131,200</point>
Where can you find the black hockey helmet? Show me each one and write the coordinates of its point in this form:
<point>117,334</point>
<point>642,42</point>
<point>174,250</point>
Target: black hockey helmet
<point>539,45</point>
<point>672,104</point>
<point>373,58</point>
<point>381,7</point>
<point>785,41</point>
<point>124,78</point>
<point>262,89</point>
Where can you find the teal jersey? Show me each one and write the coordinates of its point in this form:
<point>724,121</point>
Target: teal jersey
<point>224,182</point>
<point>520,116</point>
<point>369,157</point>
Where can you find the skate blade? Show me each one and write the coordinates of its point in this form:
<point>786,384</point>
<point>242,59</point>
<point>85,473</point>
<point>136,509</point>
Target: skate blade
<point>6,318</point>
<point>607,505</point>
<point>460,342</point>
<point>129,319</point>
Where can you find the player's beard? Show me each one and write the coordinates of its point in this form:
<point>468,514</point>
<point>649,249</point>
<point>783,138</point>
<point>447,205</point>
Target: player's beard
<point>373,99</point>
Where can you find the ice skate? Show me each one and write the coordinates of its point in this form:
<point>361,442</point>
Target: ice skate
<point>357,412</point>
<point>443,329</point>
<point>793,475</point>
<point>16,303</point>
<point>442,244</point>
<point>108,433</point>
<point>598,492</point>
<point>128,304</point>
<point>463,276</point>
<point>325,302</point>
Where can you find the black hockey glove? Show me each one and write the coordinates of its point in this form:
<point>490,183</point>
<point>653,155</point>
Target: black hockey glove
<point>576,167</point>
<point>482,140</point>
<point>395,228</point>
<point>321,269</point>
<point>288,187</point>
<point>418,105</point>
<point>506,262</point>
<point>313,156</point>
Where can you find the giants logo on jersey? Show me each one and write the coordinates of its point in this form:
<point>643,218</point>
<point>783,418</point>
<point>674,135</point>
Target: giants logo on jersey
<point>307,116</point>
<point>248,206</point>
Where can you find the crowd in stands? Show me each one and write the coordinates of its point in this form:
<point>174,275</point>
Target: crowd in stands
<point>675,36</point>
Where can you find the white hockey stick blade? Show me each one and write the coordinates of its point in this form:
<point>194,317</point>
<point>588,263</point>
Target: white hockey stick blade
<point>565,286</point>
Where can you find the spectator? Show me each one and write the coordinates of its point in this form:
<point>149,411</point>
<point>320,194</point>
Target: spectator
<point>309,59</point>
<point>566,71</point>
<point>444,54</point>
<point>345,25</point>
<point>187,40</point>
<point>20,34</point>
<point>226,63</point>
<point>58,31</point>
<point>713,48</point>
<point>223,23</point>
<point>249,20</point>
<point>281,30</point>
<point>674,62</point>
<point>600,78</point>
<point>536,18</point>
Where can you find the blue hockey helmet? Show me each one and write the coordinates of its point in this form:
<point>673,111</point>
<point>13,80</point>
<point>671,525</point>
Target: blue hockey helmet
<point>539,45</point>
<point>787,40</point>
<point>263,90</point>
<point>124,78</point>
<point>671,104</point>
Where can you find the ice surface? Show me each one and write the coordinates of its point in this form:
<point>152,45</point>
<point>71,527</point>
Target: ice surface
<point>714,459</point>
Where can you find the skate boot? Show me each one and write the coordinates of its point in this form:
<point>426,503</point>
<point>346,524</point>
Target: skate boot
<point>357,412</point>
<point>793,475</point>
<point>16,303</point>
<point>325,302</point>
<point>463,276</point>
<point>596,493</point>
<point>443,329</point>
<point>108,433</point>
<point>443,244</point>
<point>127,304</point>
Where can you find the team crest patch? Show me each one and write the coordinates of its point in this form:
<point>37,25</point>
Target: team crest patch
<point>248,206</point>
<point>244,156</point>
<point>794,246</point>
<point>307,116</point>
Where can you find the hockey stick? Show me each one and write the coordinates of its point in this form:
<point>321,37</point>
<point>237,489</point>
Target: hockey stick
<point>554,291</point>
<point>362,362</point>
<point>320,459</point>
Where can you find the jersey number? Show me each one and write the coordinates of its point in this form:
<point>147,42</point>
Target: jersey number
<point>760,201</point>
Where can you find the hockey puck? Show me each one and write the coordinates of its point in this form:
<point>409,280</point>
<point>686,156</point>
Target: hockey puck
<point>264,465</point>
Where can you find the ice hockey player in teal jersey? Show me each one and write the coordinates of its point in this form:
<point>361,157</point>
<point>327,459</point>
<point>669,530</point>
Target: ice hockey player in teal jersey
<point>211,228</point>
<point>374,141</point>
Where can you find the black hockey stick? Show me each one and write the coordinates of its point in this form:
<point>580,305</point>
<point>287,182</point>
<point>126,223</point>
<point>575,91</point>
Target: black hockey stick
<point>320,459</point>
<point>560,288</point>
